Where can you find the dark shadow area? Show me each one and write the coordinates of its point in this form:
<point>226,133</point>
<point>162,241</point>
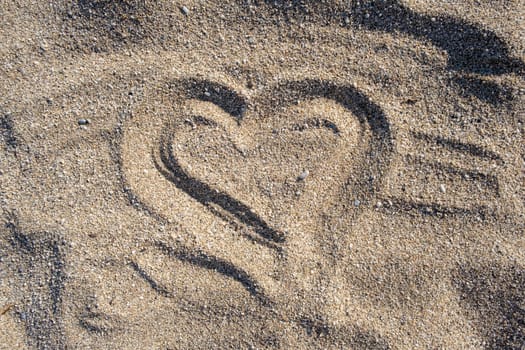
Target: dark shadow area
<point>7,133</point>
<point>487,91</point>
<point>314,327</point>
<point>106,8</point>
<point>496,294</point>
<point>39,259</point>
<point>293,5</point>
<point>223,267</point>
<point>117,19</point>
<point>470,48</point>
<point>322,11</point>
<point>350,338</point>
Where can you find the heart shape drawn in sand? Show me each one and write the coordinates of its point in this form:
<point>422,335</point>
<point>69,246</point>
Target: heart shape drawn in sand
<point>246,159</point>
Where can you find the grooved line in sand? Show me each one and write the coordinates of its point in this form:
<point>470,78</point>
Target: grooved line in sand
<point>468,164</point>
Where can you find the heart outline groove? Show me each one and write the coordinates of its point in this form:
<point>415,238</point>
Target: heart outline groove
<point>371,167</point>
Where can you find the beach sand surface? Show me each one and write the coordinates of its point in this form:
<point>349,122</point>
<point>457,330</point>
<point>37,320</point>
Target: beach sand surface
<point>262,174</point>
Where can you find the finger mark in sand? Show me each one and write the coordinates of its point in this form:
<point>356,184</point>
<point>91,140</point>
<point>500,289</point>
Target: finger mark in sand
<point>6,308</point>
<point>470,175</point>
<point>153,284</point>
<point>225,268</point>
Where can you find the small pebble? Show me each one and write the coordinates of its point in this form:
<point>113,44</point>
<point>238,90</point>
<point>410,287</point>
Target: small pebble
<point>303,175</point>
<point>83,121</point>
<point>442,188</point>
<point>185,10</point>
<point>357,202</point>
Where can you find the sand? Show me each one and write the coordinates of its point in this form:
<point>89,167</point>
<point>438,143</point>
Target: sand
<point>262,174</point>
